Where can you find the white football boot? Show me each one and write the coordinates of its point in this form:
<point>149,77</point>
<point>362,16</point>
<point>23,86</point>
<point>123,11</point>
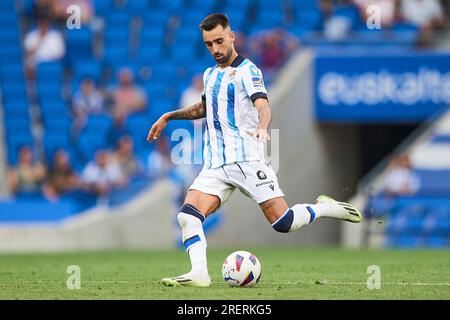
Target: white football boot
<point>189,279</point>
<point>346,211</point>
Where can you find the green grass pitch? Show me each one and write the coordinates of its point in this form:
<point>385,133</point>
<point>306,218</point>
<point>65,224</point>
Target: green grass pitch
<point>287,273</point>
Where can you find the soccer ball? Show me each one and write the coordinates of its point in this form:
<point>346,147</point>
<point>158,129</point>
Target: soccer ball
<point>241,269</point>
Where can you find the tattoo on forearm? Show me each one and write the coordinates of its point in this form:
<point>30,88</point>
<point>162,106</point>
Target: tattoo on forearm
<point>196,111</point>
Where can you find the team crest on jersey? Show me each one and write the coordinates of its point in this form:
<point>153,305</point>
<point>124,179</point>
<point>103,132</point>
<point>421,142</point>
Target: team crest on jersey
<point>232,74</point>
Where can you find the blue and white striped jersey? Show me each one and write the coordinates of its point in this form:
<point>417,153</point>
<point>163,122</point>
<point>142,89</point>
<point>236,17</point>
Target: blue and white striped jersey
<point>229,94</point>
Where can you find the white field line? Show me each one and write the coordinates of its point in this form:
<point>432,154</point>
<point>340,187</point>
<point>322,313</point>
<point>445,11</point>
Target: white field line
<point>406,284</point>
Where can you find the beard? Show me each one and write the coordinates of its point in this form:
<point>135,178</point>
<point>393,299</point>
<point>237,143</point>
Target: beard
<point>223,58</point>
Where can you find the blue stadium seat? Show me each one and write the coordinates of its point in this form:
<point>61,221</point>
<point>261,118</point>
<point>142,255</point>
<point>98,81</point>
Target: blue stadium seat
<point>79,44</point>
<point>151,37</point>
<point>117,21</point>
<point>89,143</point>
<point>183,52</point>
<point>15,109</point>
<point>440,138</point>
<point>407,241</point>
<point>16,124</point>
<point>52,108</point>
<point>48,71</point>
<point>158,107</point>
<point>98,123</point>
<point>155,19</point>
<point>187,37</point>
<point>404,26</point>
<point>172,6</point>
<point>199,66</point>
<point>12,72</point>
<point>437,241</point>
<point>348,11</point>
<point>12,54</point>
<point>58,125</point>
<point>15,141</point>
<point>433,182</point>
<point>7,6</point>
<point>138,126</point>
<point>396,224</point>
<point>164,70</point>
<point>86,68</point>
<point>8,20</point>
<point>10,37</point>
<point>103,7</point>
<point>50,98</point>
<point>155,90</point>
<point>236,6</point>
<point>311,20</point>
<point>14,94</point>
<point>137,7</point>
<point>191,19</point>
<point>36,209</point>
<point>53,142</point>
<point>115,55</point>
<point>148,55</point>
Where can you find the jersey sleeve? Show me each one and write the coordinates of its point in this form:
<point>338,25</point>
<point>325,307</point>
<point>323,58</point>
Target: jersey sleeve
<point>253,83</point>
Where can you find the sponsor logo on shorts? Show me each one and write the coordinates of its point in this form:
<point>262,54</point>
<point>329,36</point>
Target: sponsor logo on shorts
<point>261,175</point>
<point>264,183</point>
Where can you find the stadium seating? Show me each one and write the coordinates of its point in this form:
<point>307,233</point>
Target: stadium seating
<point>171,64</point>
<point>422,219</point>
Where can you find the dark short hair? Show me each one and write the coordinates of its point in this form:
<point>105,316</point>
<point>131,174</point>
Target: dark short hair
<point>213,20</point>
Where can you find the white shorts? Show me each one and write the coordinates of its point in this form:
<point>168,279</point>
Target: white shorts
<point>255,179</point>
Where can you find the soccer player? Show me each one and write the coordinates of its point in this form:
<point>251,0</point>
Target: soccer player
<point>235,104</point>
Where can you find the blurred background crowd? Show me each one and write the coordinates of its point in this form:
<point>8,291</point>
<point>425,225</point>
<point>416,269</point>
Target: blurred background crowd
<point>79,101</point>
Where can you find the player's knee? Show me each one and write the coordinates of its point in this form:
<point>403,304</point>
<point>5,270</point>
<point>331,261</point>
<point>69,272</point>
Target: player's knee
<point>189,213</point>
<point>284,223</point>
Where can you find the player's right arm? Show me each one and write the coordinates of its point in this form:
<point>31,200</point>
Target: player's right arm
<point>196,111</point>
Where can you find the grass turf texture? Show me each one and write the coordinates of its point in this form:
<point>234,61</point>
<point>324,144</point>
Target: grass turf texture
<point>286,274</point>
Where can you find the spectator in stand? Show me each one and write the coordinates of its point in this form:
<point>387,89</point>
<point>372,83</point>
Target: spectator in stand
<point>88,100</point>
<point>240,43</point>
<point>61,178</point>
<point>277,46</point>
<point>338,20</point>
<point>400,179</point>
<point>28,175</point>
<point>159,162</point>
<point>42,44</point>
<point>427,15</point>
<point>192,94</point>
<point>43,9</point>
<point>102,175</point>
<point>127,160</point>
<point>127,96</point>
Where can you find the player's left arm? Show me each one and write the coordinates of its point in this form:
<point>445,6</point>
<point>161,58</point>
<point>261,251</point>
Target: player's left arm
<point>252,81</point>
<point>265,117</point>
